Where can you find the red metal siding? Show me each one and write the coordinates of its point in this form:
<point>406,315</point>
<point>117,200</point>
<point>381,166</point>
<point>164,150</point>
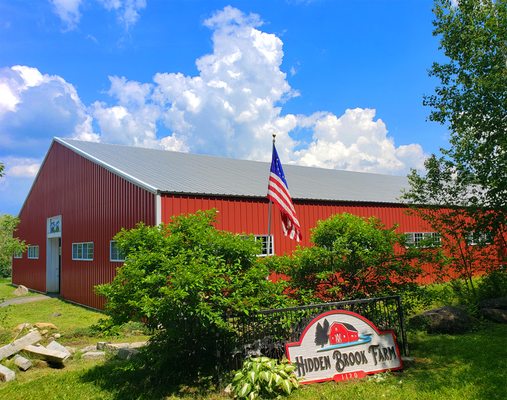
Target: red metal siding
<point>242,215</point>
<point>94,204</point>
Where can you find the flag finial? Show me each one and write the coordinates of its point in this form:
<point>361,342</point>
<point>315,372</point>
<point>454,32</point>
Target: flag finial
<point>274,137</point>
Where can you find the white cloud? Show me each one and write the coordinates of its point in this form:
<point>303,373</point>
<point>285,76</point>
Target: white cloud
<point>127,11</point>
<point>21,167</point>
<point>68,11</point>
<point>230,108</point>
<point>35,106</point>
<point>355,141</point>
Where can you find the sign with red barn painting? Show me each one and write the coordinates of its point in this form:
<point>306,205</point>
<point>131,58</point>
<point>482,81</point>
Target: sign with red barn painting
<point>341,345</point>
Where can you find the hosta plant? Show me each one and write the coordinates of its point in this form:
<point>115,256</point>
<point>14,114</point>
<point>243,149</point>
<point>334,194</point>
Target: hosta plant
<point>263,378</point>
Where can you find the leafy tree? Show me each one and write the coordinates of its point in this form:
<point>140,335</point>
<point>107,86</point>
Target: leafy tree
<point>9,245</point>
<point>464,251</point>
<point>352,257</point>
<point>1,170</point>
<point>184,280</point>
<point>471,100</point>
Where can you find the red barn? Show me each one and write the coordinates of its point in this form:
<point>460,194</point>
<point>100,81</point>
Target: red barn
<point>86,192</point>
<point>342,333</point>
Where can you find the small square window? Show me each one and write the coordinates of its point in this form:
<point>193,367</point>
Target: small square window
<point>422,239</point>
<point>18,254</point>
<point>82,251</point>
<point>115,253</point>
<point>33,252</point>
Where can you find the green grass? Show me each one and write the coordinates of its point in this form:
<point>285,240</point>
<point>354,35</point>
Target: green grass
<point>7,289</point>
<point>67,317</point>
<point>460,367</point>
<point>456,367</point>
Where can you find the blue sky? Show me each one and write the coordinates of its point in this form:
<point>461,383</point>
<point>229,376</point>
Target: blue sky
<point>339,81</point>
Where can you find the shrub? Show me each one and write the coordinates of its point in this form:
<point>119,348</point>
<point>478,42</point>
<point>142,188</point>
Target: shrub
<point>183,280</point>
<point>352,257</point>
<point>263,378</point>
<point>493,285</point>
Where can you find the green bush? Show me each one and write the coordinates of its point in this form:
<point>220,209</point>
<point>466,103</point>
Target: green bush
<point>493,285</point>
<point>183,280</point>
<point>263,378</point>
<point>352,257</point>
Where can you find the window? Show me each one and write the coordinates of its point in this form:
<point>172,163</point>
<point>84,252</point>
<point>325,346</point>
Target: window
<point>266,245</point>
<point>115,253</point>
<point>479,238</point>
<point>423,239</point>
<point>18,254</point>
<point>82,251</point>
<point>33,252</point>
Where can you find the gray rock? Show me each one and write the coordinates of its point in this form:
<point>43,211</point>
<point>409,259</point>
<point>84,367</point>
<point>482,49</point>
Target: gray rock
<point>89,348</point>
<point>499,303</point>
<point>20,291</point>
<point>54,345</point>
<point>126,353</point>
<point>6,374</point>
<point>93,355</point>
<point>446,319</point>
<point>102,345</point>
<point>22,363</point>
<point>495,314</point>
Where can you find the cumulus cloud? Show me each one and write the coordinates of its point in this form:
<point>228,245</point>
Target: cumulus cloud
<point>231,107</point>
<point>35,106</point>
<point>355,141</point>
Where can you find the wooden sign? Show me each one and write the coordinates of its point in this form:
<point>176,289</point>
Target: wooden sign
<point>341,345</point>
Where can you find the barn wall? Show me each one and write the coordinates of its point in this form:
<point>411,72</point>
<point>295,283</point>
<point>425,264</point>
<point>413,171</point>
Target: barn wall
<point>94,204</point>
<point>250,215</point>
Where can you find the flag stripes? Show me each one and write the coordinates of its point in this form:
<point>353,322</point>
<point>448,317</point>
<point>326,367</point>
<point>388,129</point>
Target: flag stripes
<point>278,193</point>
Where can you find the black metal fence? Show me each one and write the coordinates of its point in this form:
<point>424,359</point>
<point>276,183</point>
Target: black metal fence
<point>266,332</point>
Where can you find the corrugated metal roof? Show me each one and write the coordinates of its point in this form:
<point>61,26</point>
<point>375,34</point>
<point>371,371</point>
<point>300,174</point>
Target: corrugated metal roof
<point>173,172</point>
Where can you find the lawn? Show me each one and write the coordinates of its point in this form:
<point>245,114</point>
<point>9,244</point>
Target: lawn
<point>461,367</point>
<point>7,289</point>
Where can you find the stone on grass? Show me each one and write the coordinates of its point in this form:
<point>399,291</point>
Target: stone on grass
<point>24,325</point>
<point>54,345</point>
<point>20,291</point>
<point>51,356</point>
<point>6,374</point>
<point>126,353</point>
<point>91,347</point>
<point>101,345</point>
<point>93,355</point>
<point>14,347</point>
<point>446,319</point>
<point>137,345</point>
<point>45,325</point>
<point>495,314</point>
<point>22,363</point>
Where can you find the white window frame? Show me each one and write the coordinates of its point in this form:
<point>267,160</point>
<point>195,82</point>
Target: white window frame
<point>33,252</point>
<point>479,238</point>
<point>415,238</point>
<point>82,246</point>
<point>265,252</point>
<point>117,251</point>
<point>17,254</point>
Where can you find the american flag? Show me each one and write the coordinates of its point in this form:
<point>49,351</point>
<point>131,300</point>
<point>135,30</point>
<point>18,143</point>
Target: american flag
<point>278,193</point>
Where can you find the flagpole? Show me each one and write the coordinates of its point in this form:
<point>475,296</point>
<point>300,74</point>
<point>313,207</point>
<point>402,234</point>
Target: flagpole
<point>270,205</point>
